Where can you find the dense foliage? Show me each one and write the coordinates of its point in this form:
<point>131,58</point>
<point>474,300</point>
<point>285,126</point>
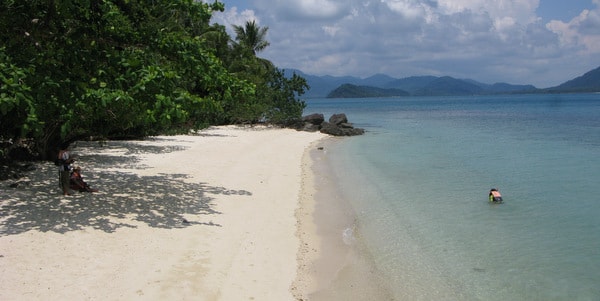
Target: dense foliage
<point>73,69</point>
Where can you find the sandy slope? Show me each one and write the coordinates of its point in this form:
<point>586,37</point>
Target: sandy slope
<point>203,217</point>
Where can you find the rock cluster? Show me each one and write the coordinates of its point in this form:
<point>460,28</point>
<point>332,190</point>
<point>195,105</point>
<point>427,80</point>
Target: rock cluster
<point>338,125</point>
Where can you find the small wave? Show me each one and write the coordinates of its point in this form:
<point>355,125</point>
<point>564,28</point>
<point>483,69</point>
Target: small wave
<point>348,236</point>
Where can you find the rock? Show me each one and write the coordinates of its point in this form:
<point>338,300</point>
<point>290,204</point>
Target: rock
<point>332,129</point>
<point>315,119</point>
<point>338,119</point>
<point>309,127</point>
<point>338,125</point>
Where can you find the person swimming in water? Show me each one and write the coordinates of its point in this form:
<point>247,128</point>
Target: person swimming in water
<point>495,196</point>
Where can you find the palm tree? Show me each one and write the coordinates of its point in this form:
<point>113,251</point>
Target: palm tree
<point>251,36</point>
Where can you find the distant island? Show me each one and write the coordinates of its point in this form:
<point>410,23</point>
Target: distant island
<point>427,86</point>
<point>353,91</point>
<point>381,85</point>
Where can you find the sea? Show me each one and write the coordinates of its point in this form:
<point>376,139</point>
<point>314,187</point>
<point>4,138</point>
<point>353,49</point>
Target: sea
<point>418,183</point>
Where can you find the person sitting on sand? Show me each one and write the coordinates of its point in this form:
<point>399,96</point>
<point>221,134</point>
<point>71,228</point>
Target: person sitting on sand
<point>64,162</point>
<point>77,182</point>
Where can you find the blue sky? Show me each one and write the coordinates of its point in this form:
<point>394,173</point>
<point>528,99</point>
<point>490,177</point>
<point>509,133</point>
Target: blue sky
<point>540,42</point>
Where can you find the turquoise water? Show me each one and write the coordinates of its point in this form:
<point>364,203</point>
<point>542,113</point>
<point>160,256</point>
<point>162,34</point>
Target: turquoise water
<point>419,179</point>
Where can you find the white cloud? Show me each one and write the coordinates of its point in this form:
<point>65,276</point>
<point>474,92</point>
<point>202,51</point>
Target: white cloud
<point>303,9</point>
<point>331,30</point>
<point>232,17</point>
<point>410,9</point>
<point>491,41</point>
<point>582,32</point>
<point>521,10</point>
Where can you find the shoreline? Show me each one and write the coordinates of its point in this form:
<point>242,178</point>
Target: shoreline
<point>333,262</point>
<point>322,253</point>
<point>209,216</point>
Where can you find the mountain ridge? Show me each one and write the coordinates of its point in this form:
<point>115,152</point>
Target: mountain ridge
<point>588,82</point>
<point>382,85</point>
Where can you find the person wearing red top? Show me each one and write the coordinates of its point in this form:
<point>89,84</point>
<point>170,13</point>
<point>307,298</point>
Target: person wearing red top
<point>77,182</point>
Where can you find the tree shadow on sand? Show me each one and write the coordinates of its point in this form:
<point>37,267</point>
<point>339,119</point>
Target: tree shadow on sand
<point>126,199</point>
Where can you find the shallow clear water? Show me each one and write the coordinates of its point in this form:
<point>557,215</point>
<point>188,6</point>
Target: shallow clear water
<point>419,179</point>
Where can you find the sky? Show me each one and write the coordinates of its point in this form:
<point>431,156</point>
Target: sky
<point>539,42</point>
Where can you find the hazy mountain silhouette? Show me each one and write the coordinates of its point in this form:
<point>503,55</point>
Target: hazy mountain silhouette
<point>381,85</point>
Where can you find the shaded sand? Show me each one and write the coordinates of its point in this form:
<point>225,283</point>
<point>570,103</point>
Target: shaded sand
<point>203,217</point>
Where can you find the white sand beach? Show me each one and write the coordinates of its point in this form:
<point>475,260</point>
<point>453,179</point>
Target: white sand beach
<point>211,216</point>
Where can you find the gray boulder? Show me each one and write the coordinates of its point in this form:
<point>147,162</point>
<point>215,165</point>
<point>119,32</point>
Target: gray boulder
<point>315,119</point>
<point>338,119</point>
<point>335,130</point>
<point>338,125</point>
<point>309,127</point>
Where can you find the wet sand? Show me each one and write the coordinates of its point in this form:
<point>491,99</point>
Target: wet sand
<point>333,264</point>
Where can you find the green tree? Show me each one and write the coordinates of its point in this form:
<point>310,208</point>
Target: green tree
<point>18,111</point>
<point>110,69</point>
<point>276,100</point>
<point>251,36</point>
<point>74,69</point>
<point>282,94</point>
